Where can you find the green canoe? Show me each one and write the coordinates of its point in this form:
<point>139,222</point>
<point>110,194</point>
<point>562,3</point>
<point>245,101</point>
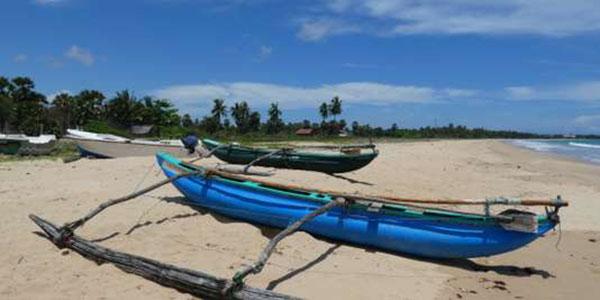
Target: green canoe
<point>9,146</point>
<point>345,159</point>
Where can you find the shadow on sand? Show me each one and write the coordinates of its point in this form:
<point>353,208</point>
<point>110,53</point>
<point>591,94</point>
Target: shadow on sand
<point>507,270</point>
<point>351,180</point>
<point>270,232</point>
<point>274,283</point>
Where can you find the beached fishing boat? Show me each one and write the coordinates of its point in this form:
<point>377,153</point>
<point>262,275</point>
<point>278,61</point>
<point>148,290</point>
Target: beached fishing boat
<point>21,144</point>
<point>332,159</point>
<point>379,222</point>
<point>99,145</point>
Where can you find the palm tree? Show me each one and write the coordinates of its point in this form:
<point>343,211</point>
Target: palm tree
<point>29,105</point>
<point>88,106</point>
<point>274,124</point>
<point>64,104</point>
<point>324,111</point>
<point>120,109</point>
<point>336,107</point>
<point>7,107</point>
<point>219,111</point>
<point>6,111</point>
<point>241,114</point>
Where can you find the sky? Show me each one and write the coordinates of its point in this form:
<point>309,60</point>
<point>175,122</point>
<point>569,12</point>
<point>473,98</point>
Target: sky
<point>528,65</point>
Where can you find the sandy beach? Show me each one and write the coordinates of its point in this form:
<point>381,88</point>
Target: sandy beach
<point>563,264</point>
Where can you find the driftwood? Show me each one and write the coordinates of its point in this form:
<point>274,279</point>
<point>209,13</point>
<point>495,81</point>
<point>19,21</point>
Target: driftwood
<point>193,282</point>
<point>257,266</point>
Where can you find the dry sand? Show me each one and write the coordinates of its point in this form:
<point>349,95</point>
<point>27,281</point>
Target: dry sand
<point>32,268</point>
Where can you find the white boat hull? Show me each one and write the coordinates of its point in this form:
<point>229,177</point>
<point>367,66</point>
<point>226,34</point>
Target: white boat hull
<point>113,149</point>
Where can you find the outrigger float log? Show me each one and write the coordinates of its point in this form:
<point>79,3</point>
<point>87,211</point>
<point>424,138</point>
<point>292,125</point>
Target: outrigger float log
<point>388,223</point>
<point>189,281</point>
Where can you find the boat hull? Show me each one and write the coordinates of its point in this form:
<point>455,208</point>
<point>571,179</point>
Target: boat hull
<point>28,148</point>
<point>24,147</point>
<point>112,149</point>
<point>408,233</point>
<point>326,163</point>
<point>9,147</point>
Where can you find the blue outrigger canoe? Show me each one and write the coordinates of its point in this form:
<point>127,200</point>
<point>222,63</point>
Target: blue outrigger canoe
<point>419,231</point>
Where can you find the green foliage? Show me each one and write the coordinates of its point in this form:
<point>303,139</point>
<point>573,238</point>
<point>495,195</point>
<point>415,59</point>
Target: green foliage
<point>125,110</point>
<point>87,106</point>
<point>27,111</point>
<point>105,127</point>
<point>186,121</point>
<point>335,107</point>
<point>324,111</point>
<point>7,111</point>
<point>27,104</point>
<point>245,119</point>
<point>219,112</point>
<point>121,108</point>
<point>173,132</point>
<point>274,123</point>
<point>449,131</point>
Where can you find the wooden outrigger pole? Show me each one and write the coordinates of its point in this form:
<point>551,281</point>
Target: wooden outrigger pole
<point>556,202</point>
<point>194,282</point>
<point>255,268</point>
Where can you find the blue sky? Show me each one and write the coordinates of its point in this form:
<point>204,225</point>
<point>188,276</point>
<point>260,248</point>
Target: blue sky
<point>511,64</point>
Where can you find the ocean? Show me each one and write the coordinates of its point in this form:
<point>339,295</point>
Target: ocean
<point>583,149</point>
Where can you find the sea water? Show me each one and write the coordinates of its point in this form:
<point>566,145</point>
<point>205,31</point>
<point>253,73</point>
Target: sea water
<point>583,149</point>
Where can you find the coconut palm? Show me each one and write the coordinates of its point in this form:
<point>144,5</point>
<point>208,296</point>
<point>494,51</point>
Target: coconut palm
<point>219,111</point>
<point>64,104</point>
<point>241,115</point>
<point>324,111</point>
<point>336,107</point>
<point>274,124</point>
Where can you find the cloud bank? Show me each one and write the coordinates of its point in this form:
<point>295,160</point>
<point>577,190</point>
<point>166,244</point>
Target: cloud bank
<point>586,91</point>
<point>494,17</point>
<point>261,94</point>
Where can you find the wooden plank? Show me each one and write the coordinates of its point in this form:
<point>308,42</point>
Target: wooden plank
<point>557,202</point>
<point>197,283</point>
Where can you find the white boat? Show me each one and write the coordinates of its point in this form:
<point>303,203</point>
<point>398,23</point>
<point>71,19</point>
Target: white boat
<point>27,145</point>
<point>111,146</point>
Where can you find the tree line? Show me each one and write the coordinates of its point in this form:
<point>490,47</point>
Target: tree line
<point>25,110</point>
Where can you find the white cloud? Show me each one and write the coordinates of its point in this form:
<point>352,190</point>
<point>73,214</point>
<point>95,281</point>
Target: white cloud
<point>587,119</point>
<point>261,94</point>
<point>264,52</point>
<point>317,29</point>
<point>587,91</point>
<point>403,17</point>
<point>19,58</point>
<point>350,65</point>
<point>520,92</point>
<point>48,2</point>
<point>80,55</point>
